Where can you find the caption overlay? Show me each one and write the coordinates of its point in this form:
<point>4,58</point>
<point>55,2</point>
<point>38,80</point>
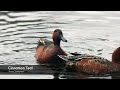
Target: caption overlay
<point>25,69</point>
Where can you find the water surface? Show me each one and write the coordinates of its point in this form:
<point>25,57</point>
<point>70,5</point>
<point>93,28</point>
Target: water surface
<point>90,32</point>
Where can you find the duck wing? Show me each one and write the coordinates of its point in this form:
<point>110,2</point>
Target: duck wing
<point>44,42</point>
<point>81,57</point>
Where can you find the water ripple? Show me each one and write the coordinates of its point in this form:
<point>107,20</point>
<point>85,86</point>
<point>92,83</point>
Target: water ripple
<point>94,33</point>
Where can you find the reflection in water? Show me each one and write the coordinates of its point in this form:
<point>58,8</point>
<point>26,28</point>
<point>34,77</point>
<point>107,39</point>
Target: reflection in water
<point>95,33</point>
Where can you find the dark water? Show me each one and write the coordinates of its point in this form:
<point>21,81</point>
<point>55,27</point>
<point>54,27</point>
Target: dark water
<point>90,32</point>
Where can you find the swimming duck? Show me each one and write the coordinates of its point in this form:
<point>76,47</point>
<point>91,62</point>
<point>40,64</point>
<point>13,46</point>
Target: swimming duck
<point>91,64</point>
<point>47,51</point>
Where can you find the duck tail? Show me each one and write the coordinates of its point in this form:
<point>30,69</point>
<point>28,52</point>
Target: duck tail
<point>40,42</point>
<point>64,57</point>
<point>69,57</point>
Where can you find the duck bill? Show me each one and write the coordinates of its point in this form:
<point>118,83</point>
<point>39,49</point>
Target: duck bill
<point>63,39</point>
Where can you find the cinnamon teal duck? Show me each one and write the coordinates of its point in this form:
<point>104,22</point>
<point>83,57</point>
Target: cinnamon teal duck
<point>91,64</point>
<point>47,51</point>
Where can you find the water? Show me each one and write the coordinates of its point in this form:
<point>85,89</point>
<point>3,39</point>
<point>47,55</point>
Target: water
<point>90,32</point>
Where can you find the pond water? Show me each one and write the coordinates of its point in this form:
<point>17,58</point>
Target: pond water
<point>90,32</point>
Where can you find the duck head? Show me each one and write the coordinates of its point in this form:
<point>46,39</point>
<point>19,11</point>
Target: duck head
<point>58,36</point>
<point>116,56</point>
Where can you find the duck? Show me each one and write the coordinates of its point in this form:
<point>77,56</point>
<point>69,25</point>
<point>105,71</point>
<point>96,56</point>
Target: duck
<point>47,51</point>
<point>91,64</point>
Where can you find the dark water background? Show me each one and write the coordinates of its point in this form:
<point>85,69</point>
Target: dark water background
<point>90,32</point>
